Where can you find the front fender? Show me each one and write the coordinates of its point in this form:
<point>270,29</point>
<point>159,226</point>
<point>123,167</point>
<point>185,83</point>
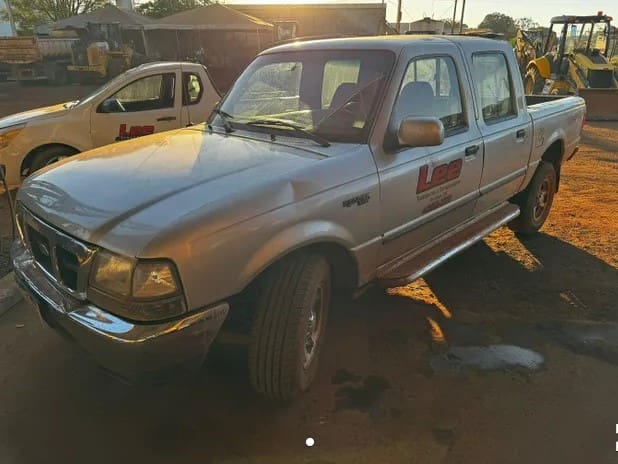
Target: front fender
<point>293,238</point>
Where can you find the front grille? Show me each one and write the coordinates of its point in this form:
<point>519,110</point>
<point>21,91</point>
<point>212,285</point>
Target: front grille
<point>40,248</point>
<point>68,267</point>
<point>65,259</point>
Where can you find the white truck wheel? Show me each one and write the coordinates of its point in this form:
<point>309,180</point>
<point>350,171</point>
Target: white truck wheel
<point>289,326</point>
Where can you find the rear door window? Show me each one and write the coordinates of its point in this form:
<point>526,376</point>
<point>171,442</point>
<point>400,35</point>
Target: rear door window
<point>494,86</point>
<point>193,88</point>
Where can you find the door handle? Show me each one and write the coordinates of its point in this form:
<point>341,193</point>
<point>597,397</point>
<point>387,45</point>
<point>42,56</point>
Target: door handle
<point>520,134</point>
<point>472,150</point>
<point>167,118</point>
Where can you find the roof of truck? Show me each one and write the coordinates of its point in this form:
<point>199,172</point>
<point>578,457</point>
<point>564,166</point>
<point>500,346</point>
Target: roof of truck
<point>385,42</point>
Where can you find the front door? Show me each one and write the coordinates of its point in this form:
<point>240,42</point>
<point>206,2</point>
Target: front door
<point>147,105</point>
<point>426,191</point>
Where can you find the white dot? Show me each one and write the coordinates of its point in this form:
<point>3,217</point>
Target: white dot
<point>309,442</point>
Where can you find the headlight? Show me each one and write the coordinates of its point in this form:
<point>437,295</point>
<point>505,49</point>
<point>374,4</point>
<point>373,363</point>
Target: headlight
<point>8,134</point>
<point>112,273</point>
<point>140,290</point>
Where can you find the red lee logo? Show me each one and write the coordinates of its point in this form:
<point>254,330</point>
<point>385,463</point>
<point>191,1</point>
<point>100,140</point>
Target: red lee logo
<point>134,131</point>
<point>441,174</point>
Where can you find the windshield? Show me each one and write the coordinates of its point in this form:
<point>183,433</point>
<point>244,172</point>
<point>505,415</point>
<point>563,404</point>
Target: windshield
<point>330,93</point>
<point>585,37</point>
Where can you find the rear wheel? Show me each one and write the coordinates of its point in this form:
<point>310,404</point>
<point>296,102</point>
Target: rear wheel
<point>61,76</point>
<point>289,326</point>
<point>49,155</point>
<point>536,201</point>
<point>534,83</point>
<point>116,67</point>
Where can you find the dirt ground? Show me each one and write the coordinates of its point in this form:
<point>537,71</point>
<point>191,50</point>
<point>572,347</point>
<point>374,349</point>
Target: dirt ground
<point>506,354</point>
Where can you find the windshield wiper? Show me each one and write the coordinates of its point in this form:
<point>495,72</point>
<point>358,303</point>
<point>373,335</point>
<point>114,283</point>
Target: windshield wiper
<point>225,117</point>
<point>288,124</point>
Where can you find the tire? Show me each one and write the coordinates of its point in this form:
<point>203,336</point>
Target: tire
<point>284,349</point>
<point>536,201</point>
<point>534,83</point>
<point>48,156</point>
<point>115,68</point>
<point>61,76</point>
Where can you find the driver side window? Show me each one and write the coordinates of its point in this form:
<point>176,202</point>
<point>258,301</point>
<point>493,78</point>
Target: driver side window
<point>146,94</point>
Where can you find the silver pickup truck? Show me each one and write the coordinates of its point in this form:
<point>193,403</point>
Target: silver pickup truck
<point>328,166</point>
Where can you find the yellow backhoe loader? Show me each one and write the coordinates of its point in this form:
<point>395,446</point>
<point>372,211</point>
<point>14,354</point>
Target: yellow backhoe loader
<point>572,64</point>
<point>99,53</point>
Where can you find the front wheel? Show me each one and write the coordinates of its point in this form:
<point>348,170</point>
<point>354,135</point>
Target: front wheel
<point>48,156</point>
<point>536,201</point>
<point>289,326</point>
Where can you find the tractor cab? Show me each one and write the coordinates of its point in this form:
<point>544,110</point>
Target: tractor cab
<point>580,51</point>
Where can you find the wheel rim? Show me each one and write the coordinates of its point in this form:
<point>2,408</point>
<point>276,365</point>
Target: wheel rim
<point>55,159</point>
<point>314,327</point>
<point>542,200</point>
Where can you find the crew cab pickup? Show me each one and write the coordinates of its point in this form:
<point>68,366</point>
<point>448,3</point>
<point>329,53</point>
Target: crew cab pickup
<point>151,98</point>
<point>329,165</point>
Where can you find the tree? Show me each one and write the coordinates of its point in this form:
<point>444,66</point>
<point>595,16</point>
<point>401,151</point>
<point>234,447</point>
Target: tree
<point>162,8</point>
<point>500,23</point>
<point>447,25</point>
<point>526,24</point>
<point>30,13</point>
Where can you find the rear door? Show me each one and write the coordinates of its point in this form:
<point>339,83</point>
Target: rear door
<point>426,191</point>
<point>504,123</point>
<point>146,105</point>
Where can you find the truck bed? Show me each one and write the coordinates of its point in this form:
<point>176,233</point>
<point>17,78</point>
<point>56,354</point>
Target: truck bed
<point>27,50</point>
<point>18,50</point>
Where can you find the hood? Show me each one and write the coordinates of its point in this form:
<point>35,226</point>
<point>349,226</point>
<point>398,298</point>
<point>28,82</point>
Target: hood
<point>122,195</point>
<point>39,113</point>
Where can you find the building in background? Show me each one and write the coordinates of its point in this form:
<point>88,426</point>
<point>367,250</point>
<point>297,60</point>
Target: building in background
<point>423,26</point>
<point>322,19</point>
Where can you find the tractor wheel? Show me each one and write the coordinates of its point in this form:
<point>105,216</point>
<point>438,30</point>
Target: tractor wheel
<point>116,67</point>
<point>534,83</point>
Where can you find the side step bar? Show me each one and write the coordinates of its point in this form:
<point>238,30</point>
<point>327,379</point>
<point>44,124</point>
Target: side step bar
<point>414,266</point>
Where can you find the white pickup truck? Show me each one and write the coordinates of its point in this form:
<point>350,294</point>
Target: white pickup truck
<point>328,165</point>
<point>150,98</point>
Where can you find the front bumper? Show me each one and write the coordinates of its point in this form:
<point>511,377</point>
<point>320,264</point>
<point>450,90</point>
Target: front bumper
<point>130,350</point>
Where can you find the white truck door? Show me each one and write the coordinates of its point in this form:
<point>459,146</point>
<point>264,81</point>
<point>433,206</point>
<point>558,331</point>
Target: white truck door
<point>505,124</point>
<point>144,106</point>
<point>425,191</point>
<point>199,96</point>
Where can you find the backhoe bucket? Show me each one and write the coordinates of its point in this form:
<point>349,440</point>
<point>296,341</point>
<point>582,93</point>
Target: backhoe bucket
<point>601,104</point>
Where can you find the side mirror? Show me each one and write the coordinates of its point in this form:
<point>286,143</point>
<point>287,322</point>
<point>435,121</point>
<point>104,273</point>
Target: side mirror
<point>420,132</point>
<point>110,105</point>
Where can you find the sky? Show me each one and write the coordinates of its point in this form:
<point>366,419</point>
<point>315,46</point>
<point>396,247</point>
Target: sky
<point>540,10</point>
<point>5,28</point>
